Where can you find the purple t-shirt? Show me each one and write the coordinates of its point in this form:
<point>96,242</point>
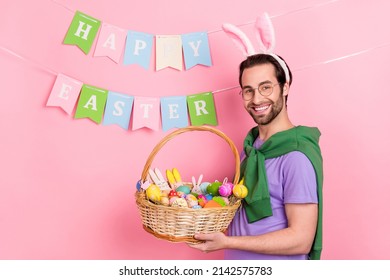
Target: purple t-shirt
<point>291,179</point>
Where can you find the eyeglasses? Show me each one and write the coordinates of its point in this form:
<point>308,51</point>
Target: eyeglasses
<point>265,89</point>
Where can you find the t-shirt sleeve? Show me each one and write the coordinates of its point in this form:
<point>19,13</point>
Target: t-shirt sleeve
<point>299,179</point>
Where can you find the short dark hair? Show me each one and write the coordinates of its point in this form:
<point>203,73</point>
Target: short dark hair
<point>259,59</point>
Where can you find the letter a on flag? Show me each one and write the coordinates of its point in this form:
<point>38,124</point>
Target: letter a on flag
<point>111,42</point>
<point>82,31</point>
<point>91,103</point>
<point>202,109</point>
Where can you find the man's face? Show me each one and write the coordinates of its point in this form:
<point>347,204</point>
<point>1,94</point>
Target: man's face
<point>263,109</point>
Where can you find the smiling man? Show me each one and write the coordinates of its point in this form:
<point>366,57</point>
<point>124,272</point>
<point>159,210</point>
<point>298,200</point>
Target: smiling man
<point>281,217</point>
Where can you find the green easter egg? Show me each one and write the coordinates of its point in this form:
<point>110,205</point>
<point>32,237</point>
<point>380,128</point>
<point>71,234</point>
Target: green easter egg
<point>219,200</point>
<point>194,194</point>
<point>213,188</point>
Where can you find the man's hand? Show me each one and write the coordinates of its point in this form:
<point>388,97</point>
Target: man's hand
<point>212,242</point>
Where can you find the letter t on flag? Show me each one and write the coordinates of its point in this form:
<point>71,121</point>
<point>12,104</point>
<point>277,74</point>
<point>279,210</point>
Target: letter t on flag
<point>82,31</point>
<point>146,113</point>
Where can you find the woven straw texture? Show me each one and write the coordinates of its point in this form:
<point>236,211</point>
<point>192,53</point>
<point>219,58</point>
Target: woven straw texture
<point>176,224</point>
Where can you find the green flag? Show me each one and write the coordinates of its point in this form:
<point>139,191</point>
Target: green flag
<point>82,31</point>
<point>202,109</point>
<point>91,103</point>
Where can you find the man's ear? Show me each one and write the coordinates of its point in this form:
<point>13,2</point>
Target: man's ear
<point>285,89</point>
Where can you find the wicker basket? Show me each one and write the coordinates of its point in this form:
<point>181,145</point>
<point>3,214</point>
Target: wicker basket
<point>180,224</point>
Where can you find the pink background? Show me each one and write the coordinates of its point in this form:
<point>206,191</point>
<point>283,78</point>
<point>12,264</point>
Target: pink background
<point>67,186</point>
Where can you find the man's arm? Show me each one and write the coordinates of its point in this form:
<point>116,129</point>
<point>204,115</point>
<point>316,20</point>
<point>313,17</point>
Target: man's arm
<point>296,239</point>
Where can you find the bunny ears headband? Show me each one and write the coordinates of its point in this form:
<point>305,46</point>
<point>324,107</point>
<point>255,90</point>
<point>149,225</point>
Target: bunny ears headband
<point>265,35</point>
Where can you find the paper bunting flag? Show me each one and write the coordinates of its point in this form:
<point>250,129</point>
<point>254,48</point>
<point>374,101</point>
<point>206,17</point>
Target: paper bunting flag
<point>146,113</point>
<point>169,52</point>
<point>91,103</point>
<point>196,49</point>
<point>202,109</point>
<point>138,49</point>
<point>118,109</point>
<point>174,112</point>
<point>64,93</point>
<point>111,42</point>
<point>82,31</point>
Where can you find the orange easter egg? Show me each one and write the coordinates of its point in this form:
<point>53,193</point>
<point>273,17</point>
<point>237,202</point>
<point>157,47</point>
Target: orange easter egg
<point>211,204</point>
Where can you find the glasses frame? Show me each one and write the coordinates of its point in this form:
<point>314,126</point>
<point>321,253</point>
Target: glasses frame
<point>258,89</point>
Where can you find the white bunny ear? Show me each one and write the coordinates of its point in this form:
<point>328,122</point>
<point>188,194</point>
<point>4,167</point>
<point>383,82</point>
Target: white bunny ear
<point>239,38</point>
<point>265,33</point>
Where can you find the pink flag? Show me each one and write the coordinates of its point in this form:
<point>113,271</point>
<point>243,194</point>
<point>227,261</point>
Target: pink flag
<point>146,113</point>
<point>111,42</point>
<point>64,93</point>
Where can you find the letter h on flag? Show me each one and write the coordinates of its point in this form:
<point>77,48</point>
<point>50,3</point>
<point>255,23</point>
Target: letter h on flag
<point>82,31</point>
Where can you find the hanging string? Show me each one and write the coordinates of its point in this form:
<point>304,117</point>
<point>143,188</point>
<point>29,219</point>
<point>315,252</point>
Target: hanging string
<point>247,23</point>
<point>305,67</point>
<point>283,14</point>
<point>28,60</point>
<point>341,58</point>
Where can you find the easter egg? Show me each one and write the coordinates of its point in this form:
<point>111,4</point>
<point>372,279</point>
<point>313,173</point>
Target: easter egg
<point>191,200</point>
<point>165,193</point>
<point>153,193</point>
<point>202,202</point>
<point>196,207</point>
<point>209,197</point>
<point>212,204</point>
<point>192,203</point>
<point>219,200</point>
<point>164,200</point>
<point>213,188</point>
<point>184,189</point>
<point>203,187</point>
<point>172,199</point>
<point>225,190</point>
<point>240,191</point>
<point>194,194</point>
<point>180,202</point>
<point>202,196</point>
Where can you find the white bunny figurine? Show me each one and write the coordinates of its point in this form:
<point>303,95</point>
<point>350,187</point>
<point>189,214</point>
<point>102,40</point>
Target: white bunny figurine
<point>196,184</point>
<point>159,179</point>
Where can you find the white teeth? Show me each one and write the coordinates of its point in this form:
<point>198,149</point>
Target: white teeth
<point>261,108</point>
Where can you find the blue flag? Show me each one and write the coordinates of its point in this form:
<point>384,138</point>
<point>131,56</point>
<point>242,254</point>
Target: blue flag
<point>138,49</point>
<point>174,112</point>
<point>118,109</point>
<point>196,49</point>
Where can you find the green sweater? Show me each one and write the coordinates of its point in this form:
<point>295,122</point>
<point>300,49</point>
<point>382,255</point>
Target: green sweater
<point>257,204</point>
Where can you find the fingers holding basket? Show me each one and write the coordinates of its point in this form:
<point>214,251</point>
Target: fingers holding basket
<point>212,241</point>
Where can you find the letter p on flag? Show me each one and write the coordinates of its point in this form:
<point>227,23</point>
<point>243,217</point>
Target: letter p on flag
<point>82,31</point>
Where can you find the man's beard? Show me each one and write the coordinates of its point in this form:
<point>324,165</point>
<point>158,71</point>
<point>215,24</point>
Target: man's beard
<point>276,108</point>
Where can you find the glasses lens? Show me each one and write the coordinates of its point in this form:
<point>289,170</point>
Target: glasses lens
<point>247,93</point>
<point>266,89</point>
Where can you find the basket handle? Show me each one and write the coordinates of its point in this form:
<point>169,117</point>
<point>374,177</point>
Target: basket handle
<point>171,135</point>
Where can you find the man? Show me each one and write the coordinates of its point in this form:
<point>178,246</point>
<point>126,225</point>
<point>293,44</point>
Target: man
<point>281,217</point>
